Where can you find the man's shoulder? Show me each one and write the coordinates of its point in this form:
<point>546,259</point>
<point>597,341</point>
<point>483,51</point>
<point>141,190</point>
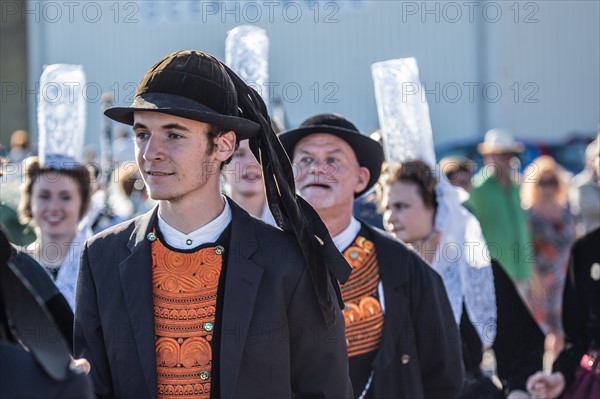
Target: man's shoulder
<point>482,179</point>
<point>583,178</point>
<point>587,242</point>
<point>116,232</point>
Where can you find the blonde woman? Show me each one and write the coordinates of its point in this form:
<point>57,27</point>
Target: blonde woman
<point>544,197</point>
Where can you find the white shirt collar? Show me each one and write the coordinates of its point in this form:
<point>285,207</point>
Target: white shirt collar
<point>267,216</point>
<point>345,238</point>
<point>205,234</point>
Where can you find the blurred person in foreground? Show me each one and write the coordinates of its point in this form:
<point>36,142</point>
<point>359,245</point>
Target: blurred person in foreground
<point>496,203</point>
<point>420,211</point>
<point>584,191</point>
<point>34,358</point>
<point>196,298</point>
<point>544,197</point>
<point>402,339</point>
<point>576,371</point>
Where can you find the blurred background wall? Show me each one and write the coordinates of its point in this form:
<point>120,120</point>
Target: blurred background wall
<point>529,66</point>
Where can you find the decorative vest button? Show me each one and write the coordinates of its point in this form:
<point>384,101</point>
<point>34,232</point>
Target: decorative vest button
<point>219,250</point>
<point>405,359</point>
<point>204,375</point>
<point>151,236</point>
<point>208,326</point>
<point>188,241</point>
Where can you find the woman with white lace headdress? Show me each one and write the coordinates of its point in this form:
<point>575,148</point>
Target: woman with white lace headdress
<point>427,213</point>
<point>56,191</point>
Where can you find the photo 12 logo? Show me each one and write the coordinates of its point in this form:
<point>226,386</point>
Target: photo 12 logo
<point>470,11</point>
<point>240,12</point>
<point>71,11</point>
<point>52,92</point>
<point>471,92</point>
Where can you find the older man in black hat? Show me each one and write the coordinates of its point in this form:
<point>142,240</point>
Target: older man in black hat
<point>196,298</point>
<point>402,338</point>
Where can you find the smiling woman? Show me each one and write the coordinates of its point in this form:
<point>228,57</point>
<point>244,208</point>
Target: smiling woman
<point>54,201</point>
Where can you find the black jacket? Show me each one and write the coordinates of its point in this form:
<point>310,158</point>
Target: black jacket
<point>420,351</point>
<point>273,344</point>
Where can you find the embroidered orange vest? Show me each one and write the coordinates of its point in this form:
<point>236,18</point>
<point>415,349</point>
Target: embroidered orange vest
<point>363,315</point>
<point>185,298</point>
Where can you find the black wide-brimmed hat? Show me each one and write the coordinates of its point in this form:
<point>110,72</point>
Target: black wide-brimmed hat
<point>193,85</point>
<point>369,152</point>
<point>197,86</point>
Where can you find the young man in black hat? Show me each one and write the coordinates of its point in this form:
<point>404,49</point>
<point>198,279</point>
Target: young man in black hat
<point>196,298</point>
<point>402,339</point>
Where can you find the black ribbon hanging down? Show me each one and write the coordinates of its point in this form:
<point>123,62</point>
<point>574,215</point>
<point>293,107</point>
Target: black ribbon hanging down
<point>291,212</point>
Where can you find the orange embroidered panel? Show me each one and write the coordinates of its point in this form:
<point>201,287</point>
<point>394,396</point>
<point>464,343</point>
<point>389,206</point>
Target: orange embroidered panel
<point>363,315</point>
<point>185,298</point>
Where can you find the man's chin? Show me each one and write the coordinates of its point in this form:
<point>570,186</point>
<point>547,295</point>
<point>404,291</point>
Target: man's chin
<point>160,196</point>
<point>318,202</point>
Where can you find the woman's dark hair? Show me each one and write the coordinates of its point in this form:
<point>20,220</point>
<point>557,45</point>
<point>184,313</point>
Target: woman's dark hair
<point>34,171</point>
<point>415,172</point>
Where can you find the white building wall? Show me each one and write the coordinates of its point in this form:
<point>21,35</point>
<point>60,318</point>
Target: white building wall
<point>325,50</point>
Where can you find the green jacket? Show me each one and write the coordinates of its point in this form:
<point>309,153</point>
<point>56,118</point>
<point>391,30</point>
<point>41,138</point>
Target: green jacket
<point>504,224</point>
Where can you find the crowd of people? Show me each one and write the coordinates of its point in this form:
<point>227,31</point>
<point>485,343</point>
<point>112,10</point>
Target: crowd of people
<point>223,259</point>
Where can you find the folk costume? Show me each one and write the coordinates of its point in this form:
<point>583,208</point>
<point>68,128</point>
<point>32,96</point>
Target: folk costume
<point>61,121</point>
<point>402,339</point>
<point>237,308</point>
<point>494,310</point>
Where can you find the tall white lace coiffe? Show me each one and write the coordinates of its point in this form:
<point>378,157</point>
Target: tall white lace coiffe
<point>462,258</point>
<point>61,116</point>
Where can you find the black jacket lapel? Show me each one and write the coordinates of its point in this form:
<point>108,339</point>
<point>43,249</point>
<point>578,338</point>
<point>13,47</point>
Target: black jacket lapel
<point>241,287</point>
<point>136,281</point>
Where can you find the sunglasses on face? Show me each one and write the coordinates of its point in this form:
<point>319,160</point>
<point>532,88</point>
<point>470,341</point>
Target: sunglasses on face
<point>553,182</point>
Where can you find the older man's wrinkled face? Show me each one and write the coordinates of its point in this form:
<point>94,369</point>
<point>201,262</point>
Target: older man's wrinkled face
<point>327,172</point>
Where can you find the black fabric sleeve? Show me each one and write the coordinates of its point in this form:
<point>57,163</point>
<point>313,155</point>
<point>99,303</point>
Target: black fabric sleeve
<point>519,344</point>
<point>55,302</point>
<point>574,312</point>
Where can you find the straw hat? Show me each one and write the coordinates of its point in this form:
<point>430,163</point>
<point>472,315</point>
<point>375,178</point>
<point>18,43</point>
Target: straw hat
<point>499,141</point>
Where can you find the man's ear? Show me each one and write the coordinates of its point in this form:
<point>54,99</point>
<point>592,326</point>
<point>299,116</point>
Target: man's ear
<point>225,146</point>
<point>363,179</point>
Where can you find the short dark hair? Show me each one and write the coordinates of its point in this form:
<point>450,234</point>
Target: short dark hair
<point>214,132</point>
<point>34,171</point>
<point>452,165</point>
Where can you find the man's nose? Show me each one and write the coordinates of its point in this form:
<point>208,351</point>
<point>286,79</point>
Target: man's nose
<point>153,149</point>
